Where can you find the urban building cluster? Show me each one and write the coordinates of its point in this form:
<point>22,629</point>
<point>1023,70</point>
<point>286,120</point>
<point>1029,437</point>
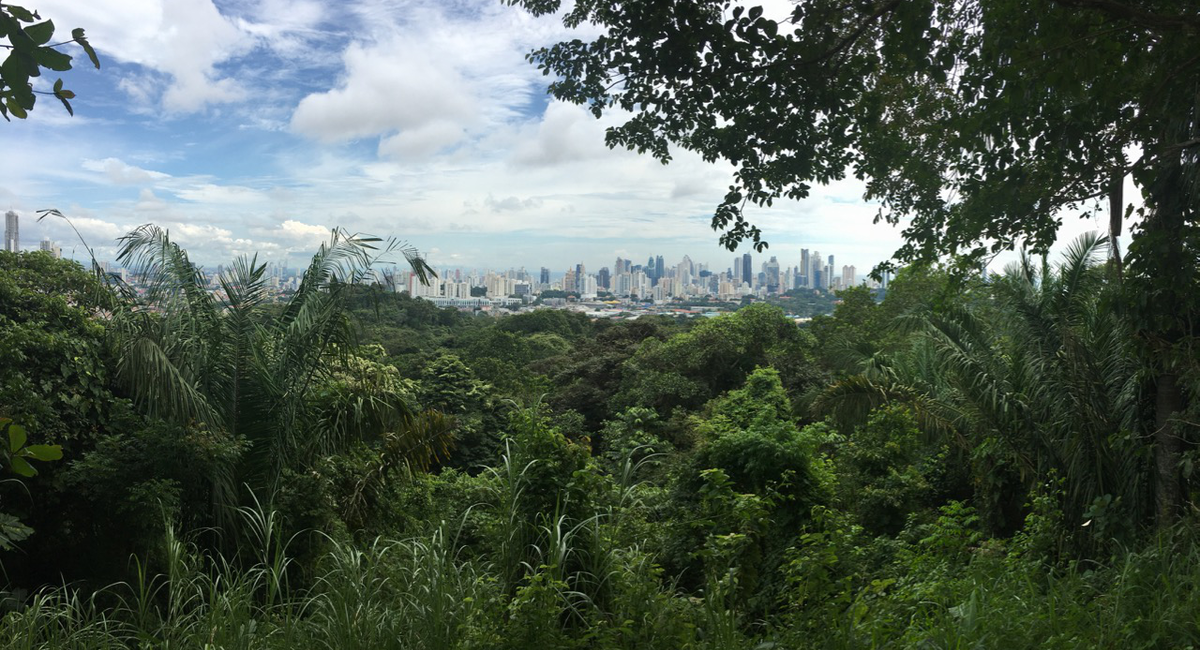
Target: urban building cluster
<point>654,280</point>
<point>626,281</point>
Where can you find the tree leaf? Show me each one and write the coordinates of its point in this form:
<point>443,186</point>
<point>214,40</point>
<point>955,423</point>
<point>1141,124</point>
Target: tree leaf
<point>22,467</point>
<point>21,13</point>
<point>41,33</point>
<point>44,452</point>
<point>16,109</point>
<point>77,34</point>
<point>16,438</point>
<point>53,59</point>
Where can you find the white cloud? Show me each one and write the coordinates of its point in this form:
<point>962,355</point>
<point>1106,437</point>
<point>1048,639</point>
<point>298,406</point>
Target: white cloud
<point>422,141</point>
<point>389,87</point>
<point>297,231</point>
<point>566,133</point>
<point>121,173</point>
<point>209,193</point>
<point>181,45</point>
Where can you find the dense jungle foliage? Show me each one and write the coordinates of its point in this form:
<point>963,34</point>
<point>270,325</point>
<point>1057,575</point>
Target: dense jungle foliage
<point>965,463</point>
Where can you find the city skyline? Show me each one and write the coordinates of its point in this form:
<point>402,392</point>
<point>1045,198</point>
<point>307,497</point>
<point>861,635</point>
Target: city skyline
<point>75,250</point>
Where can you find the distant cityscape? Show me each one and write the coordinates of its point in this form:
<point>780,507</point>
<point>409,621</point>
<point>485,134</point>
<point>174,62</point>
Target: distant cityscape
<point>626,282</point>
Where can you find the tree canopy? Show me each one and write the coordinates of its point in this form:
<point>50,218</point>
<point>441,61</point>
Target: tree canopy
<point>978,125</point>
<point>977,120</point>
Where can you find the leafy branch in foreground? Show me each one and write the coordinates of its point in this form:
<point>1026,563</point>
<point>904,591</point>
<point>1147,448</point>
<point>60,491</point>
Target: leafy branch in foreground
<point>30,50</point>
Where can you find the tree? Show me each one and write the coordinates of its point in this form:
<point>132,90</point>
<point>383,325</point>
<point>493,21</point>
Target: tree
<point>289,387</point>
<point>30,50</point>
<point>1037,381</point>
<point>713,357</point>
<point>977,123</point>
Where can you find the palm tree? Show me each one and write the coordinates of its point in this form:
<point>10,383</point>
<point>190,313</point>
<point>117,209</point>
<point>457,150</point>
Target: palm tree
<point>261,383</point>
<point>1039,377</point>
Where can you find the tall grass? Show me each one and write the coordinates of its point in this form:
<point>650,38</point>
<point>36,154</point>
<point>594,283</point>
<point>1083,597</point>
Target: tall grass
<point>576,587</point>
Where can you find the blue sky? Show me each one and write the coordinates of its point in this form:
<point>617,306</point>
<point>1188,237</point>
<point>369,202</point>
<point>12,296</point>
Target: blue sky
<point>256,125</point>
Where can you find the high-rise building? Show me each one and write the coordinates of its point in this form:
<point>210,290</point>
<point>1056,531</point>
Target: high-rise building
<point>659,269</point>
<point>747,270</point>
<point>52,248</point>
<point>545,276</point>
<point>603,278</point>
<point>849,276</point>
<point>805,270</point>
<point>771,271</point>
<point>569,280</point>
<point>12,234</point>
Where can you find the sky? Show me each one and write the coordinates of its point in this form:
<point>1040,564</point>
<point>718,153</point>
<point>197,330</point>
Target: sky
<point>255,126</point>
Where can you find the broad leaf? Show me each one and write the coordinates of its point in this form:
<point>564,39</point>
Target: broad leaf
<point>22,467</point>
<point>16,438</point>
<point>21,13</point>
<point>77,34</point>
<point>41,32</point>
<point>52,59</point>
<point>43,452</point>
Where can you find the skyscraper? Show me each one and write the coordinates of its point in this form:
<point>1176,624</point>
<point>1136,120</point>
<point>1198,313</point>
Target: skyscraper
<point>849,276</point>
<point>52,248</point>
<point>12,235</point>
<point>747,270</point>
<point>805,271</point>
<point>771,271</point>
<point>659,269</point>
<point>545,276</point>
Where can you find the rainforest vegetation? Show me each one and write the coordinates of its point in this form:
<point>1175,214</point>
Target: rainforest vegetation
<point>1002,460</point>
<point>964,463</point>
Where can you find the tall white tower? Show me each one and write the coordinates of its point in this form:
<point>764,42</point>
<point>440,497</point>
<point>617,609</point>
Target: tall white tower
<point>12,235</point>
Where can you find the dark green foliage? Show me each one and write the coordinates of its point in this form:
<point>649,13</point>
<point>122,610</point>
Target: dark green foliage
<point>567,324</point>
<point>56,356</point>
<point>716,356</point>
<point>589,375</point>
<point>749,448</point>
<point>447,385</point>
<point>887,473</point>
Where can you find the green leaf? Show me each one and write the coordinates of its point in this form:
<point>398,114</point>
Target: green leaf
<point>16,438</point>
<point>77,34</point>
<point>21,13</point>
<point>16,109</point>
<point>66,104</point>
<point>41,33</point>
<point>13,72</point>
<point>11,531</point>
<point>22,467</point>
<point>52,59</point>
<point>43,452</point>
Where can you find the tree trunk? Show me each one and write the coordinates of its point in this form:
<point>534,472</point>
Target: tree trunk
<point>1116,212</point>
<point>1168,445</point>
<point>1165,278</point>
